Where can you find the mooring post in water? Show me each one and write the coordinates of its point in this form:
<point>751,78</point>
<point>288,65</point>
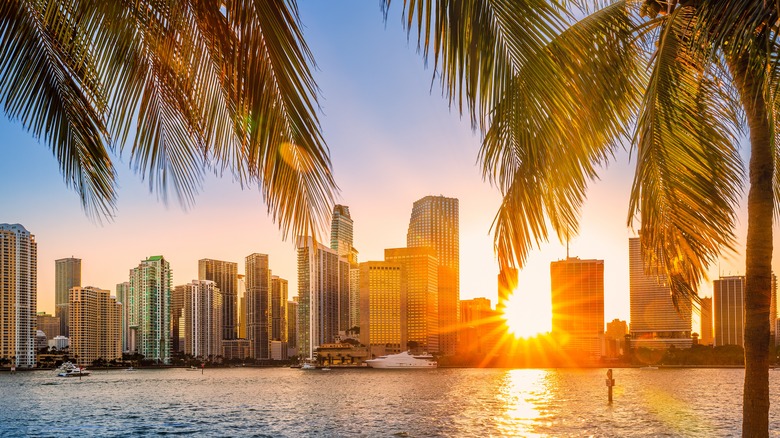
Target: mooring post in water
<point>610,384</point>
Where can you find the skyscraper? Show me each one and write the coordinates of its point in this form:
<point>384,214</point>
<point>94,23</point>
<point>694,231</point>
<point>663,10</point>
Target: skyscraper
<point>123,297</point>
<point>67,274</point>
<point>420,268</point>
<point>48,324</point>
<point>178,318</point>
<point>292,327</point>
<point>203,327</point>
<point>95,325</point>
<point>150,313</point>
<point>578,305</point>
<point>655,322</point>
<point>279,309</point>
<point>383,308</point>
<point>225,274</point>
<point>241,306</point>
<point>18,294</point>
<point>341,231</point>
<point>706,322</point>
<point>728,300</point>
<point>323,278</point>
<point>258,284</point>
<point>435,224</point>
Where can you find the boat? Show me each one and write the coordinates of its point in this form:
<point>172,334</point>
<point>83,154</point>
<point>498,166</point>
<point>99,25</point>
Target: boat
<point>404,360</point>
<point>68,369</point>
<point>308,366</point>
<point>192,368</point>
<point>131,369</point>
<point>325,368</point>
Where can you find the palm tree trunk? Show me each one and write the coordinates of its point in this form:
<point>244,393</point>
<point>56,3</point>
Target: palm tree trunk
<point>758,252</point>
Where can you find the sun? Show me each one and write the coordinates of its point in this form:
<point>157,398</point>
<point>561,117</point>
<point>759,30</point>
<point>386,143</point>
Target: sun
<point>528,315</point>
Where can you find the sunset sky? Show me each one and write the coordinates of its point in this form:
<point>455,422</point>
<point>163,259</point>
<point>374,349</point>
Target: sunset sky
<point>393,139</point>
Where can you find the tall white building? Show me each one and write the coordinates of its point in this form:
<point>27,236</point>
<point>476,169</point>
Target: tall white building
<point>655,322</point>
<point>203,325</point>
<point>323,280</point>
<point>18,295</point>
<point>150,309</point>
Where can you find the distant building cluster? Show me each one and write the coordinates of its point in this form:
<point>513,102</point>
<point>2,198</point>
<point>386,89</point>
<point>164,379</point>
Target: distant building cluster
<point>345,310</point>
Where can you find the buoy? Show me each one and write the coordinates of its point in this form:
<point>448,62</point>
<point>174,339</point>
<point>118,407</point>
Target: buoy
<point>610,384</point>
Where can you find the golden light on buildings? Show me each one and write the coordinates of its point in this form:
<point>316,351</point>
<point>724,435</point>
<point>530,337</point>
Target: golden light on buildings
<point>527,315</point>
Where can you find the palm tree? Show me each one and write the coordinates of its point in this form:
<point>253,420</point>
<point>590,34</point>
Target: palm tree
<point>181,87</point>
<point>556,95</point>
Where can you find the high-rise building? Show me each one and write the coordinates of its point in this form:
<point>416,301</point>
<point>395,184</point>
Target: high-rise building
<point>279,310</point>
<point>728,300</point>
<point>67,274</point>
<point>578,305</point>
<point>705,336</point>
<point>615,337</point>
<point>323,279</point>
<point>50,325</point>
<point>655,321</point>
<point>123,297</point>
<point>241,306</point>
<point>178,318</point>
<point>292,327</point>
<point>18,294</point>
<point>480,328</point>
<point>150,309</point>
<point>507,283</point>
<point>225,274</point>
<point>420,268</point>
<point>95,325</point>
<point>383,308</point>
<point>203,326</point>
<point>341,231</point>
<point>258,294</point>
<point>435,224</point>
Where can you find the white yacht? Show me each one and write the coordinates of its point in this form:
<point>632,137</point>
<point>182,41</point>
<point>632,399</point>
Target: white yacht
<point>67,369</point>
<point>403,360</point>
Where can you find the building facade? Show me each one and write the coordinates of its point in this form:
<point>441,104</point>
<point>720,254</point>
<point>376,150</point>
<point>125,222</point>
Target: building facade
<point>420,268</point>
<point>258,294</point>
<point>383,308</point>
<point>150,309</point>
<point>578,306</point>
<point>241,306</point>
<point>323,280</point>
<point>728,300</point>
<point>480,331</point>
<point>49,324</point>
<point>123,297</point>
<point>705,335</point>
<point>279,309</point>
<point>95,325</point>
<point>292,327</point>
<point>434,223</point>
<point>67,274</point>
<point>18,295</point>
<point>341,241</point>
<point>203,326</point>
<point>178,318</point>
<point>225,275</point>
<point>655,322</point>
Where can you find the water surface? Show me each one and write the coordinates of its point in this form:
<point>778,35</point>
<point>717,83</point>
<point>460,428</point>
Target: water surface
<point>445,402</point>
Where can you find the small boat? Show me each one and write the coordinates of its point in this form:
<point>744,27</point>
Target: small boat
<point>131,369</point>
<point>68,369</point>
<point>325,369</point>
<point>404,360</point>
<point>308,366</point>
<point>192,368</point>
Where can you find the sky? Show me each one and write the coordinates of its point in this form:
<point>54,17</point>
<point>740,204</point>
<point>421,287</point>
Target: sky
<point>393,139</point>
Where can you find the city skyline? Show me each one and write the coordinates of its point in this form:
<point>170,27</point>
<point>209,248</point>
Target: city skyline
<point>379,168</point>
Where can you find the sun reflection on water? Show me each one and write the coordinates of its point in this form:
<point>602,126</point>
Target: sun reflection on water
<point>525,395</point>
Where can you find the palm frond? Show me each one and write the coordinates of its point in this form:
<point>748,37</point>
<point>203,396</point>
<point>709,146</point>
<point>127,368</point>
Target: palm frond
<point>49,82</point>
<point>689,173</point>
<point>566,111</point>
